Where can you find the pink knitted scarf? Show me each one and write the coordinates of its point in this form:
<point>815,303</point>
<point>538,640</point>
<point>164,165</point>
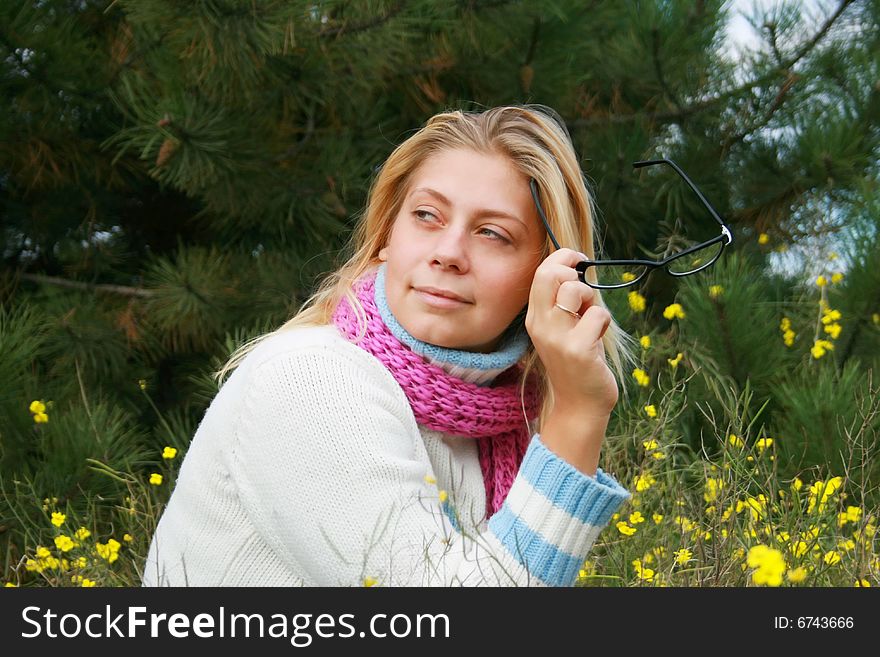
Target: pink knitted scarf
<point>443,402</point>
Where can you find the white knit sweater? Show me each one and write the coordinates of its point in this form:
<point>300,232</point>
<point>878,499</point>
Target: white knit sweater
<point>309,469</point>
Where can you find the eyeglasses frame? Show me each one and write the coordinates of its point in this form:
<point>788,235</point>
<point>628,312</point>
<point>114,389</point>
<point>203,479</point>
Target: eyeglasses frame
<point>726,236</point>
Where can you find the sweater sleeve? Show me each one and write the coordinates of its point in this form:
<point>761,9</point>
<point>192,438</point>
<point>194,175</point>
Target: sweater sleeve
<point>330,467</point>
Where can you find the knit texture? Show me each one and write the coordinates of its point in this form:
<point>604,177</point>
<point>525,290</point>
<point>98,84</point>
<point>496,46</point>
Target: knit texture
<point>471,366</point>
<point>309,468</point>
<point>443,402</point>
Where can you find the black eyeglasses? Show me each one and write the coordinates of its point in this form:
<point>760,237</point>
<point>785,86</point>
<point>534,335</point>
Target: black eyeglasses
<point>611,274</point>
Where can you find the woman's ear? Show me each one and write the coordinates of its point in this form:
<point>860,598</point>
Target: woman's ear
<point>383,254</point>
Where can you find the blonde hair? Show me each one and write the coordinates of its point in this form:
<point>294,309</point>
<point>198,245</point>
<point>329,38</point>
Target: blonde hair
<point>536,141</point>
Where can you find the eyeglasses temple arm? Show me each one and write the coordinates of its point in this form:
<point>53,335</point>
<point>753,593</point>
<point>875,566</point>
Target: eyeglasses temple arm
<point>724,229</point>
<point>533,185</point>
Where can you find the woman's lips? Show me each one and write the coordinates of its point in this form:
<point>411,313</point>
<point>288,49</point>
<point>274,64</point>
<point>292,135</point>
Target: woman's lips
<point>439,302</point>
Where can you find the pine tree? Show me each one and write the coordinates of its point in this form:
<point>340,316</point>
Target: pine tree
<point>176,176</point>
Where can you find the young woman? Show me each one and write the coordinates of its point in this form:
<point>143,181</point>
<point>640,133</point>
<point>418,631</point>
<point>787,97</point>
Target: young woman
<point>434,414</point>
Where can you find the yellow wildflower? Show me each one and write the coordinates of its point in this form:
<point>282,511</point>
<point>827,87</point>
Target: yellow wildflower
<point>156,479</point>
<point>875,318</point>
<point>797,484</point>
<point>443,496</point>
<point>625,529</point>
<point>715,291</point>
<point>833,330</point>
<point>37,407</point>
<point>641,377</point>
<point>645,574</point>
<point>673,362</point>
<point>713,485</point>
<point>736,441</point>
<point>820,348</point>
<point>645,341</point>
<point>169,453</point>
<point>830,315</point>
<point>81,562</point>
<point>627,277</point>
<point>108,551</point>
<point>763,238</point>
<point>650,444</point>
<point>636,302</point>
<point>821,281</point>
<point>142,383</point>
<point>643,482</point>
<point>797,575</point>
<point>636,517</point>
<point>831,557</point>
<point>820,491</point>
<point>10,585</point>
<point>763,443</point>
<point>682,556</point>
<point>757,506</point>
<point>836,277</point>
<point>128,538</point>
<point>657,518</point>
<point>685,523</point>
<point>768,563</point>
<point>370,581</point>
<point>651,410</point>
<point>58,518</point>
<point>674,311</point>
<point>658,455</point>
<point>64,543</point>
<point>429,479</point>
<point>82,533</point>
<point>87,583</point>
<point>861,582</point>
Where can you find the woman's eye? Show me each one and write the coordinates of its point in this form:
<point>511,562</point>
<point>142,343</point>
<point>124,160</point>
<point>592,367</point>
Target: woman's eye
<point>496,236</point>
<point>431,217</point>
<point>419,214</point>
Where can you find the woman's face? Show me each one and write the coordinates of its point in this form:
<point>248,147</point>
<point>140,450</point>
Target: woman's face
<point>467,227</point>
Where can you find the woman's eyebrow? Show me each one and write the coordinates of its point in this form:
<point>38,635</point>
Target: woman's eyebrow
<point>480,213</point>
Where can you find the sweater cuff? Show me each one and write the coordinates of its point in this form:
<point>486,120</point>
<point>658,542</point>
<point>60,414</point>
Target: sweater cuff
<point>554,513</point>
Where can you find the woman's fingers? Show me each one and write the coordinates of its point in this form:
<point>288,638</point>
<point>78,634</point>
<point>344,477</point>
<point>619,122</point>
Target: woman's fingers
<point>556,270</point>
<point>593,324</point>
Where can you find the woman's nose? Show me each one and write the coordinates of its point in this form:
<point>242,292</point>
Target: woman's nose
<point>450,249</point>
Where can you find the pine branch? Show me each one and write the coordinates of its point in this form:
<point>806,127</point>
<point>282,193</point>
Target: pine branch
<point>363,26</point>
<point>727,342</point>
<point>781,95</point>
<point>700,106</point>
<point>658,67</point>
<point>852,335</point>
<point>78,285</point>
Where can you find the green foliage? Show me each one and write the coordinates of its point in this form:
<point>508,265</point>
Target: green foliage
<point>817,408</point>
<point>739,326</point>
<point>176,178</point>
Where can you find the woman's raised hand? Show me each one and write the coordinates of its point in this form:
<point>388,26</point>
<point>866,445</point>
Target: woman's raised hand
<point>571,348</point>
